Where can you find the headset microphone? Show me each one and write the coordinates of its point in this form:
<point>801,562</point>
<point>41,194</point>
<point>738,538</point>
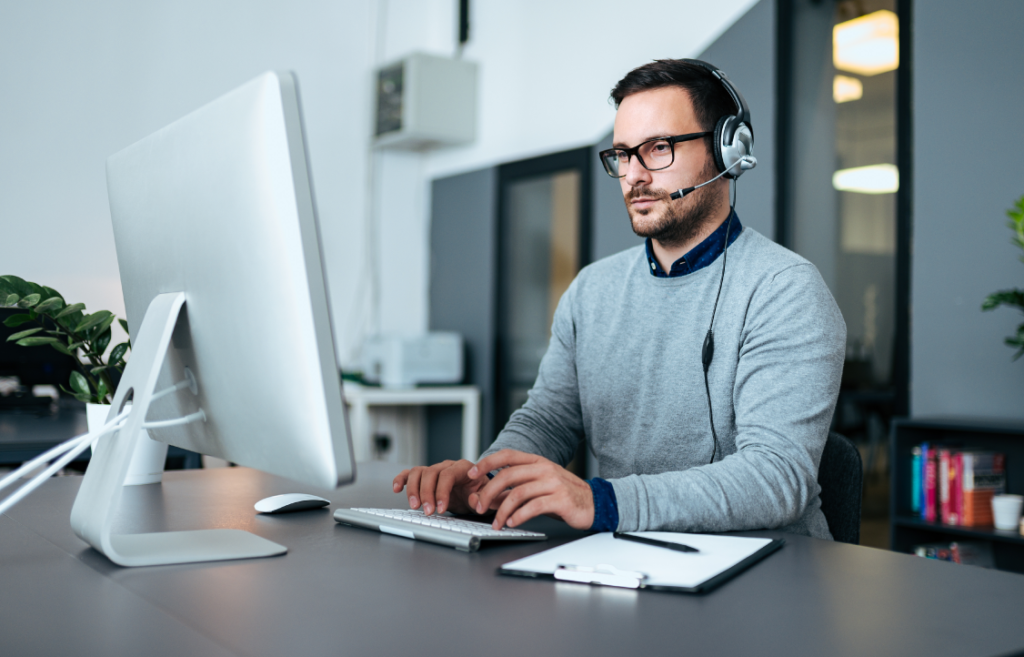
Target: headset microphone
<point>745,162</point>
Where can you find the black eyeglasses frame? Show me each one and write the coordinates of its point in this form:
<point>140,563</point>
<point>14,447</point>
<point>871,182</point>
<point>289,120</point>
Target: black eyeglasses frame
<point>635,151</point>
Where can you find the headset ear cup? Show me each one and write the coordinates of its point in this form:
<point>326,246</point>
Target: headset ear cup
<point>717,150</point>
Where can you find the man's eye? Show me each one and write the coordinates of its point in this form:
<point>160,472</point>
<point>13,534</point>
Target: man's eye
<point>660,147</point>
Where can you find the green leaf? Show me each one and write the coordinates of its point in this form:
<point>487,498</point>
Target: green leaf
<point>62,349</point>
<point>100,344</point>
<point>11,299</point>
<point>50,292</point>
<point>80,384</point>
<point>101,391</point>
<point>35,342</point>
<point>50,304</point>
<point>16,285</point>
<point>29,301</point>
<point>82,398</point>
<point>98,331</point>
<point>1013,298</point>
<point>117,353</point>
<point>23,334</point>
<point>73,308</point>
<point>123,324</point>
<point>15,321</point>
<point>92,320</point>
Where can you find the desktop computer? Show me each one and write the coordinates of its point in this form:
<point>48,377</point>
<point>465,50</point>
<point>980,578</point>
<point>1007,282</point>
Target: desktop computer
<point>217,243</point>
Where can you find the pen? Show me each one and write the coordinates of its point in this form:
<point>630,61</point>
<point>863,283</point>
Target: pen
<point>678,547</point>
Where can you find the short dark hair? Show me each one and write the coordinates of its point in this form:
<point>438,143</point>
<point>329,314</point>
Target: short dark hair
<point>710,99</point>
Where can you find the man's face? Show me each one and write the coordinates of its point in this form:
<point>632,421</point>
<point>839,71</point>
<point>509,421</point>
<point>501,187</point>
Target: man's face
<point>665,112</point>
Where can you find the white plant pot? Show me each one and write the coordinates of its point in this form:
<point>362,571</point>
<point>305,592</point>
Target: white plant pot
<point>147,466</point>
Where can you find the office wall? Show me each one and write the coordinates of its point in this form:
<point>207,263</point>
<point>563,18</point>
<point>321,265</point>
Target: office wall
<point>463,250</point>
<point>85,80</point>
<point>967,171</point>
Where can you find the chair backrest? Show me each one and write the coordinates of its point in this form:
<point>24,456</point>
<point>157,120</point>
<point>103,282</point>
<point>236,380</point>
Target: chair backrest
<point>841,478</point>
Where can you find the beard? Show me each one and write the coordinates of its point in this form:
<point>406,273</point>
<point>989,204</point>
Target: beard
<point>680,222</point>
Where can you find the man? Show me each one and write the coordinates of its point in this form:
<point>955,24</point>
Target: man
<point>623,371</point>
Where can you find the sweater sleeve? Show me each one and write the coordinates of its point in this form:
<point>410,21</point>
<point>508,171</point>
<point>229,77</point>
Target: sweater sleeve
<point>550,423</point>
<point>789,366</point>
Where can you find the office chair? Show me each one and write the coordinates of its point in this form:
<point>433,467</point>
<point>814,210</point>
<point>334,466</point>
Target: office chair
<point>841,478</point>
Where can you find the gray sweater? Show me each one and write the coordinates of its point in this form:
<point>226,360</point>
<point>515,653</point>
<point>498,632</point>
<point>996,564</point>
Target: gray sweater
<point>623,369</point>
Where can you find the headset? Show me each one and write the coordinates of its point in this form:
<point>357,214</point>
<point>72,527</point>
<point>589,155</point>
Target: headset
<point>733,152</point>
<point>734,135</point>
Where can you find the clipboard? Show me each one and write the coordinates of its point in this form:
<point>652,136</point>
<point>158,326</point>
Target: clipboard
<point>602,561</point>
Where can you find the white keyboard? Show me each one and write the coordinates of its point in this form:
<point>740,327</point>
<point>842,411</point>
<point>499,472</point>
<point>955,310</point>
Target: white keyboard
<point>444,529</point>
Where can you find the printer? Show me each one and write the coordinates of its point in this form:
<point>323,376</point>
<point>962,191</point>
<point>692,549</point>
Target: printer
<point>404,362</point>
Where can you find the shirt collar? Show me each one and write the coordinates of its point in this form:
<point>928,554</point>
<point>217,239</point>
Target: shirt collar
<point>701,255</point>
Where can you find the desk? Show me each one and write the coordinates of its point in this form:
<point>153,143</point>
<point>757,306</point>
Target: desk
<point>360,398</point>
<point>347,591</point>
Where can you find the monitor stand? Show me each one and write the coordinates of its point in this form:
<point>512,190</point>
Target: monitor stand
<point>99,497</point>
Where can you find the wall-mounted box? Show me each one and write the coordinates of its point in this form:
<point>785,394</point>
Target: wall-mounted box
<point>425,101</point>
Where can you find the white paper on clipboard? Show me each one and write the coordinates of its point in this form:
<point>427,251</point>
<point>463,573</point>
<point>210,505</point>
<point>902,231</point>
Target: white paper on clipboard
<point>663,567</point>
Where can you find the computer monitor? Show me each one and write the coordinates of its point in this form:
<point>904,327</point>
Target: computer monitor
<point>219,253</point>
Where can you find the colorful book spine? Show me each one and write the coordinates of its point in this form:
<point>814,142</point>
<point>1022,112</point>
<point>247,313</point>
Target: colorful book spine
<point>923,477</point>
<point>915,480</point>
<point>957,489</point>
<point>945,510</point>
<point>931,472</point>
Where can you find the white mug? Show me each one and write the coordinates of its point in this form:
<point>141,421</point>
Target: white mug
<point>1006,509</point>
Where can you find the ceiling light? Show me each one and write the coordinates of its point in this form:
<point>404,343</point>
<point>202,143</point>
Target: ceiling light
<point>867,45</point>
<point>845,89</point>
<point>873,179</point>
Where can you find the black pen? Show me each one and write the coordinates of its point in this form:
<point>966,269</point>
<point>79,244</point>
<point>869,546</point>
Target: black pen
<point>678,547</point>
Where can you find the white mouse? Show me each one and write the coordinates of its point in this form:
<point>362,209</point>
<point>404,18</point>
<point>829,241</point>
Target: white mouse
<point>290,502</point>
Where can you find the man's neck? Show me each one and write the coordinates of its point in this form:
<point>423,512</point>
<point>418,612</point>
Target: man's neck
<point>666,255</point>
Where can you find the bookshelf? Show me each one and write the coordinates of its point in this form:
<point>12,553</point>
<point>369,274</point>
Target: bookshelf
<point>908,529</point>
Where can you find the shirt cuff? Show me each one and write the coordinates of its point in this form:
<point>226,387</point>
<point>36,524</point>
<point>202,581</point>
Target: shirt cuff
<point>606,508</point>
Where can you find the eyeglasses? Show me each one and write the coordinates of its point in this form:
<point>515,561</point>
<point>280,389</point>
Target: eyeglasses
<point>653,154</point>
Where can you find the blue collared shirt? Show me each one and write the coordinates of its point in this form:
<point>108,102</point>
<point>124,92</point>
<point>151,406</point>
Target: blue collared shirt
<point>701,255</point>
<point>606,507</point>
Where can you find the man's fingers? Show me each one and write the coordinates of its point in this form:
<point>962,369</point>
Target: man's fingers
<point>502,459</point>
<point>446,480</point>
<point>428,484</point>
<point>412,487</point>
<point>509,477</point>
<point>517,498</point>
<point>399,483</point>
<point>538,506</point>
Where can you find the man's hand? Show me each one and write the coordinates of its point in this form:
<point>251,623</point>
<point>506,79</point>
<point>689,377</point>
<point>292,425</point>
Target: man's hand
<point>538,487</point>
<point>441,487</point>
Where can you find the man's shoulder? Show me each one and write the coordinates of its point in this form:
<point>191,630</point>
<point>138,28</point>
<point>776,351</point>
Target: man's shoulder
<point>758,253</point>
<point>614,267</point>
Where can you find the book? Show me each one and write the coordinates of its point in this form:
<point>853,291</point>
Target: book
<point>931,467</point>
<point>984,475</point>
<point>957,488</point>
<point>945,510</point>
<point>915,480</point>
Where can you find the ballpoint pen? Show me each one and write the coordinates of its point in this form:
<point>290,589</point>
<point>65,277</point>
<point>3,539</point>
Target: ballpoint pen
<point>678,547</point>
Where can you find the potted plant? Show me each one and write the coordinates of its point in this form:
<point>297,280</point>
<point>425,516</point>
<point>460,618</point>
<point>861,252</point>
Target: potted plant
<point>1013,298</point>
<point>49,320</point>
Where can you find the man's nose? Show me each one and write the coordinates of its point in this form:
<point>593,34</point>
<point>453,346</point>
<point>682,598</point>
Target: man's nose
<point>636,173</point>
